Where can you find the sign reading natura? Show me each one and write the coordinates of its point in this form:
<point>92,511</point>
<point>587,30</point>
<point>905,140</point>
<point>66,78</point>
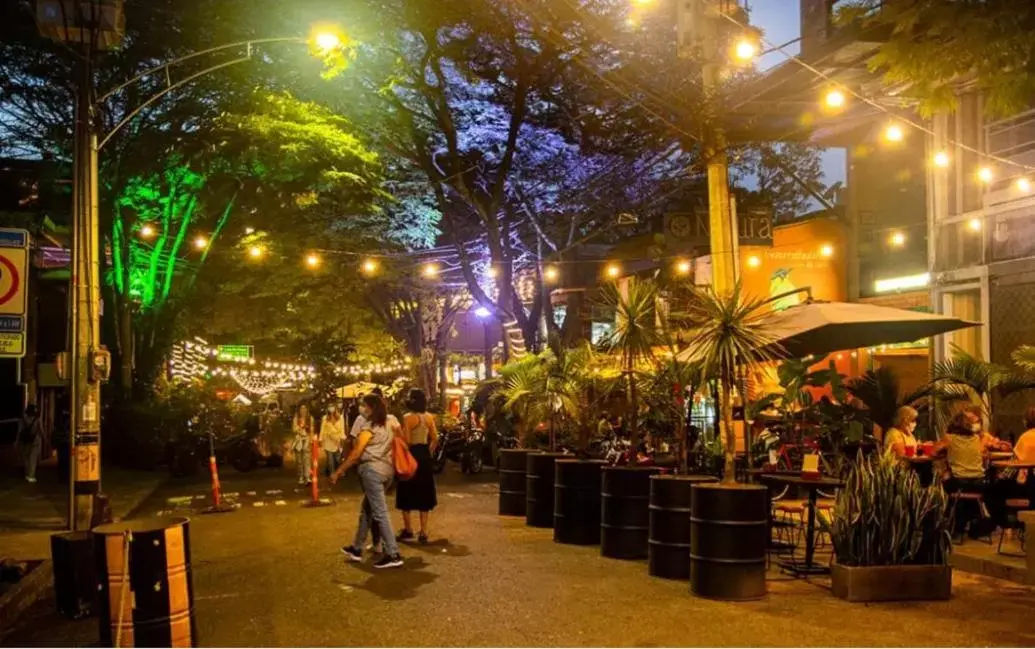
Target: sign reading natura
<point>754,227</point>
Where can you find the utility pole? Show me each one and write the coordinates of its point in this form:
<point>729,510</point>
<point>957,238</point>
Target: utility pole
<point>91,25</point>
<point>700,33</point>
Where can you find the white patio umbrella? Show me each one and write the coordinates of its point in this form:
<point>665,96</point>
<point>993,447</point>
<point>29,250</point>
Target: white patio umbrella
<point>353,390</point>
<point>819,328</point>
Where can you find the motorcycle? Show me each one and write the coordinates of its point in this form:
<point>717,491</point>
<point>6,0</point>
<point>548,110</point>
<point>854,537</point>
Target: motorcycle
<point>463,447</point>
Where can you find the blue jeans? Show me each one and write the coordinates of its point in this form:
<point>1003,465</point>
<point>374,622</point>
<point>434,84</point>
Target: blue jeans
<point>333,460</point>
<point>374,510</point>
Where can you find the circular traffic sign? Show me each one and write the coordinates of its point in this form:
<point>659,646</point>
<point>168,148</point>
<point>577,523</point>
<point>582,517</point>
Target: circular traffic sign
<point>9,280</point>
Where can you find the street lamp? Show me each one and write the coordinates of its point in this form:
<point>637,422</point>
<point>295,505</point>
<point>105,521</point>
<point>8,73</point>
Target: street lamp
<point>745,50</point>
<point>67,23</point>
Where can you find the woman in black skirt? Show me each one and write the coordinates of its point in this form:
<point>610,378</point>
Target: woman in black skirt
<point>418,493</point>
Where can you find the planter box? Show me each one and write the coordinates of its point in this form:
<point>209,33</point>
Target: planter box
<point>891,583</point>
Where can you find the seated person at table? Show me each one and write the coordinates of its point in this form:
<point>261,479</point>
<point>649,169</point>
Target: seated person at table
<point>964,451</point>
<point>899,437</point>
<point>989,441</point>
<point>1010,483</point>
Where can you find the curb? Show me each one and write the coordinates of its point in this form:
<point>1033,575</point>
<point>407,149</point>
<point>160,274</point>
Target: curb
<point>24,594</point>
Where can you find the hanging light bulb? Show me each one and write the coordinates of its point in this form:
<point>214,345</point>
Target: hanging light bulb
<point>255,252</point>
<point>613,270</point>
<point>985,175</point>
<point>941,159</point>
<point>147,231</point>
<point>754,261</point>
<point>200,242</point>
<point>894,133</point>
<point>683,267</point>
<point>551,274</point>
<point>834,99</point>
<point>1023,184</point>
<point>430,270</point>
<point>312,260</point>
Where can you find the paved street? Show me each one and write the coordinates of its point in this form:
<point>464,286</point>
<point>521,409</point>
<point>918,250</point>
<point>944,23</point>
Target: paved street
<point>272,575</point>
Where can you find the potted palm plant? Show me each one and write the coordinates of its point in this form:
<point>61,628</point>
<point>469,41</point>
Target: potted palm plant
<point>891,536</point>
<point>729,521</point>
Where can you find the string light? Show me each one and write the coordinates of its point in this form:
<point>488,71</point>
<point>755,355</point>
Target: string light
<point>974,224</point>
<point>985,175</point>
<point>551,273</point>
<point>249,230</point>
<point>613,270</point>
<point>430,270</point>
<point>826,250</point>
<point>1023,184</point>
<point>490,272</point>
<point>683,267</point>
<point>834,99</point>
<point>754,261</point>
<point>897,239</point>
<point>255,252</point>
<point>894,133</point>
<point>147,231</point>
<point>369,266</point>
<point>942,159</point>
<point>745,50</point>
<point>312,260</point>
<point>200,242</point>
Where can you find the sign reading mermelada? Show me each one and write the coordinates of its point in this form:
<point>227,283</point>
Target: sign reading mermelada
<point>14,293</point>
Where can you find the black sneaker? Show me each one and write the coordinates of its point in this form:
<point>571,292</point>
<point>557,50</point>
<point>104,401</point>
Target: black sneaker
<point>351,553</point>
<point>389,562</point>
<point>405,535</point>
<point>422,538</point>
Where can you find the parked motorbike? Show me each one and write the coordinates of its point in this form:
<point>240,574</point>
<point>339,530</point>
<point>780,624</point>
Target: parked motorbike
<point>461,446</point>
<point>193,447</point>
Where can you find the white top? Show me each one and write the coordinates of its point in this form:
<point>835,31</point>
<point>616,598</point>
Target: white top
<point>332,434</point>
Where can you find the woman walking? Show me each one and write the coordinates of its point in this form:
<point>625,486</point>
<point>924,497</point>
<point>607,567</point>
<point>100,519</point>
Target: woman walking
<point>332,438</point>
<point>302,427</point>
<point>418,493</point>
<point>372,453</point>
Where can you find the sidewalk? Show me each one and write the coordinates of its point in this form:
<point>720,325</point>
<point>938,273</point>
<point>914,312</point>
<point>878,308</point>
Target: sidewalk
<point>30,513</point>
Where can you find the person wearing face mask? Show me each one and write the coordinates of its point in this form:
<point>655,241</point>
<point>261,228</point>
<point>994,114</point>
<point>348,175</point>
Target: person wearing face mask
<point>899,440</point>
<point>332,438</point>
<point>964,452</point>
<point>372,454</point>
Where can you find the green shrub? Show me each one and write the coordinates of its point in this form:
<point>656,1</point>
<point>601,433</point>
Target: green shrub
<point>884,517</point>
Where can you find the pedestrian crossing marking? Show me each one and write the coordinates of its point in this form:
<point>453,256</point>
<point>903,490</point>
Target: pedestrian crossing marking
<point>280,502</point>
<point>258,503</point>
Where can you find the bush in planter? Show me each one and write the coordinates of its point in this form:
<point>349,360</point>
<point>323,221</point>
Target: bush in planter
<point>891,536</point>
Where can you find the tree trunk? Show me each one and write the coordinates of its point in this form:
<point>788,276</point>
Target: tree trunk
<point>729,475</point>
<point>634,431</point>
<point>125,323</point>
<point>443,380</point>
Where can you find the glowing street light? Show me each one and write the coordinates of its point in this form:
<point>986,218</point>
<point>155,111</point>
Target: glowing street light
<point>147,231</point>
<point>369,267</point>
<point>985,175</point>
<point>324,39</point>
<point>894,133</point>
<point>826,250</point>
<point>256,252</point>
<point>312,260</point>
<point>613,270</point>
<point>835,99</point>
<point>942,159</point>
<point>745,50</point>
<point>897,239</point>
<point>200,242</point>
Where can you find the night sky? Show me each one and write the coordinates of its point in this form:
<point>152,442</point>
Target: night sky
<point>780,21</point>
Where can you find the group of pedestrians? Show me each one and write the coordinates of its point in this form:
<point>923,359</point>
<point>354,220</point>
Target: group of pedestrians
<point>369,446</point>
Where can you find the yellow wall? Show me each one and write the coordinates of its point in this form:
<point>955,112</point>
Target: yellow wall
<point>796,260</point>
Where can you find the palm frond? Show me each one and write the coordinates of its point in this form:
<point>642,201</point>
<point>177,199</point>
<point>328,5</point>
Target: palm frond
<point>1024,357</point>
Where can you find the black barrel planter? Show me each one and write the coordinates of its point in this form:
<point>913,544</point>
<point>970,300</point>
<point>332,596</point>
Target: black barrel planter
<point>539,489</point>
<point>728,539</point>
<point>576,504</point>
<point>513,463</point>
<point>625,511</point>
<point>668,542</point>
<point>145,592</point>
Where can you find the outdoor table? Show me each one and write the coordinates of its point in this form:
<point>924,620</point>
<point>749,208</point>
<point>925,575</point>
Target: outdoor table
<point>811,485</point>
<point>924,467</point>
<point>1016,464</point>
<point>1000,455</point>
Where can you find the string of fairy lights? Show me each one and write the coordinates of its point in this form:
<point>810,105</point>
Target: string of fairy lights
<point>196,360</point>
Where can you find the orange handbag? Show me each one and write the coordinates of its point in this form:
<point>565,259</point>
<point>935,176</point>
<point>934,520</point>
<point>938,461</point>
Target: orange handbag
<point>405,463</point>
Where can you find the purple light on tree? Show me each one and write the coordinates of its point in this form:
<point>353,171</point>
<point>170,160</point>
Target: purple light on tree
<point>482,312</point>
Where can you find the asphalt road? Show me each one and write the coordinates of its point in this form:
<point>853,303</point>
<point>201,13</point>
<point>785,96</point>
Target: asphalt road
<point>272,575</point>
